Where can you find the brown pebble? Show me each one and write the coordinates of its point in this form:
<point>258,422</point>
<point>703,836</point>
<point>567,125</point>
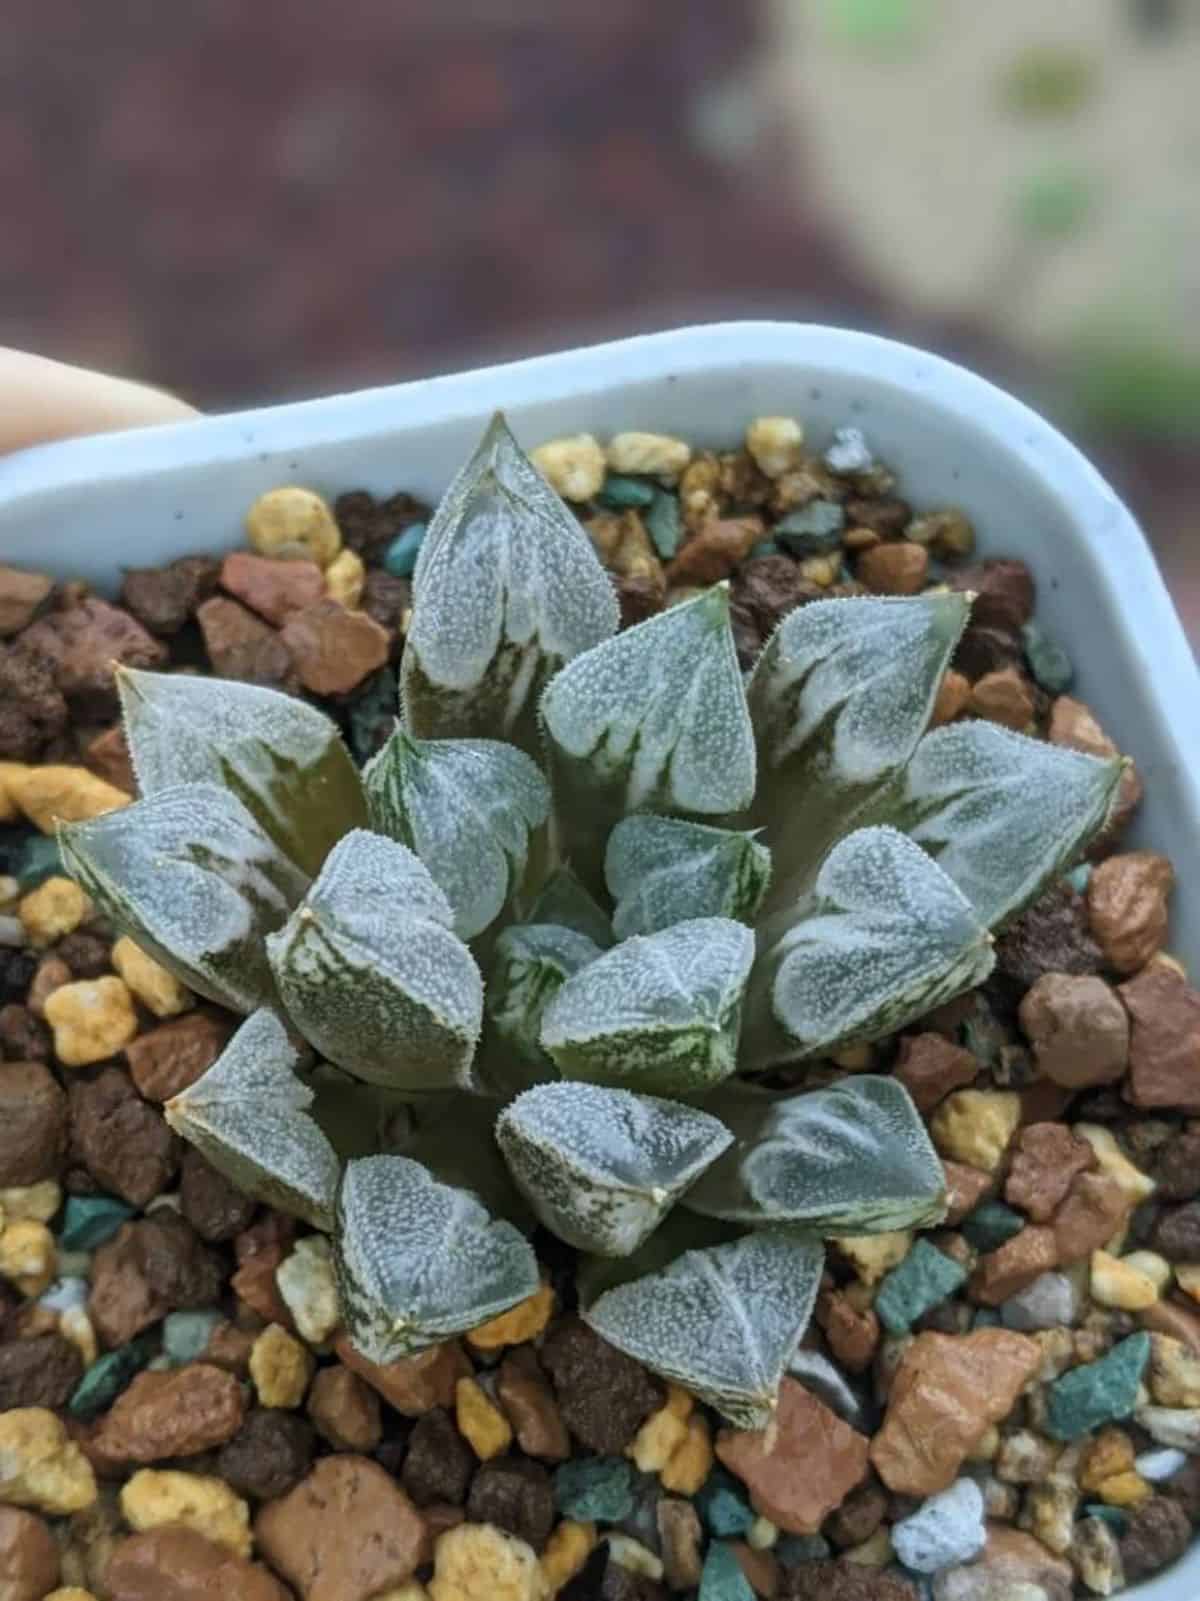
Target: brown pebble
<point>1176,1166</point>
<point>1093,1211</point>
<point>1158,1534</point>
<point>33,1123</point>
<point>1127,907</point>
<point>173,1414</point>
<point>414,1384</point>
<point>122,1140</point>
<point>1164,1045</point>
<point>528,1403</point>
<point>28,1556</point>
<point>760,1568</point>
<point>38,1371</point>
<point>149,1268</point>
<point>930,1067</point>
<point>859,1515</point>
<point>953,693</point>
<point>229,1347</point>
<point>254,1284</point>
<point>52,973</point>
<point>269,1454</point>
<point>241,646</point>
<point>23,1037</point>
<point>107,755</point>
<point>604,1395</point>
<point>168,1059</point>
<point>334,649</point>
<point>215,1207</point>
<point>853,1335</point>
<point>1045,1162</point>
<point>272,588</point>
<point>1014,1265</point>
<point>163,598</point>
<point>177,1564</point>
<point>87,955</point>
<point>1004,697</point>
<point>897,569</point>
<point>680,1537</point>
<point>966,1186</point>
<point>1003,590</point>
<point>345,1410</point>
<point>514,1494</point>
<point>1074,725</point>
<point>22,596</point>
<point>85,644</point>
<point>714,550</point>
<point>1077,1028</point>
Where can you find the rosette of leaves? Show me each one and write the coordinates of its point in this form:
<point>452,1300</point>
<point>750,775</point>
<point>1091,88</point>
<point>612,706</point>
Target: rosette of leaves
<point>540,962</point>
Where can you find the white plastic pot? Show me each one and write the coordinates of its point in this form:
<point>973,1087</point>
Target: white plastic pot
<point>91,507</point>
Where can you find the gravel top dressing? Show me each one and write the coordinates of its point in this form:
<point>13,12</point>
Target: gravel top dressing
<point>984,1386</point>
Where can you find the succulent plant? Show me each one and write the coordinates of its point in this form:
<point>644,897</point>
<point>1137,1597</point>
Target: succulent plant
<point>683,888</point>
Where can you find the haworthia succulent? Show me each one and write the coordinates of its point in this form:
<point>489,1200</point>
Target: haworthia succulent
<point>249,1115</point>
<point>659,1013</point>
<point>601,1167</point>
<point>191,876</point>
<point>722,1322</point>
<point>839,698</point>
<point>1002,813</point>
<point>563,901</point>
<point>653,720</point>
<point>853,1159</point>
<point>884,937</point>
<point>283,759</point>
<point>418,1261</point>
<point>466,807</point>
<point>507,588</point>
<point>663,870</point>
<point>532,962</point>
<point>373,975</point>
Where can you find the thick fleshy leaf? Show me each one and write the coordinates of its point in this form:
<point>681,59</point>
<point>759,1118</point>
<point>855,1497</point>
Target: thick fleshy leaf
<point>467,808</point>
<point>662,871</point>
<point>659,1013</point>
<point>1001,813</point>
<point>602,1167</point>
<point>283,759</point>
<point>249,1116</point>
<point>721,1322</point>
<point>853,1158</point>
<point>507,588</point>
<point>839,698</point>
<point>418,1261</point>
<point>653,720</point>
<point>371,972</point>
<point>453,1137</point>
<point>563,900</point>
<point>532,963</point>
<point>191,876</point>
<point>884,936</point>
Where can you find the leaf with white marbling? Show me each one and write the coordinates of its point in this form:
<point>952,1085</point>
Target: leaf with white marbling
<point>467,808</point>
<point>840,696</point>
<point>602,1167</point>
<point>373,975</point>
<point>652,720</point>
<point>418,1261</point>
<point>191,876</point>
<point>507,588</point>
<point>853,1158</point>
<point>721,1322</point>
<point>884,937</point>
<point>658,1013</point>
<point>1001,813</point>
<point>249,1115</point>
<point>532,962</point>
<point>282,758</point>
<point>663,870</point>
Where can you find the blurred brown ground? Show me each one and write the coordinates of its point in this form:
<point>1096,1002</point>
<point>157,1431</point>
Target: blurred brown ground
<point>251,199</point>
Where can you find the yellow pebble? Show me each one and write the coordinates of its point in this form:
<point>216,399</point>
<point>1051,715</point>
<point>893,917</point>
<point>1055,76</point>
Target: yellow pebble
<point>56,907</point>
<point>280,1367</point>
<point>522,1322</point>
<point>479,1562</point>
<point>28,1257</point>
<point>873,1255</point>
<point>986,1446</point>
<point>38,1202</point>
<point>633,1556</point>
<point>1111,1159</point>
<point>1125,1490</point>
<point>92,1020</point>
<point>1156,1268</point>
<point>154,1496</point>
<point>1187,1275</point>
<point>976,1126</point>
<point>1115,1283</point>
<point>480,1422</point>
<point>1110,1454</point>
<point>71,1593</point>
<point>9,810</point>
<point>657,1441</point>
<point>819,570</point>
<point>40,1466</point>
<point>411,1590</point>
<point>692,1461</point>
<point>48,795</point>
<point>854,1058</point>
<point>160,992</point>
<point>345,577</point>
<point>679,1401</point>
<point>659,455</point>
<point>293,522</point>
<point>875,1552</point>
<point>75,1325</point>
<point>776,443</point>
<point>565,1552</point>
<point>762,1534</point>
<point>573,466</point>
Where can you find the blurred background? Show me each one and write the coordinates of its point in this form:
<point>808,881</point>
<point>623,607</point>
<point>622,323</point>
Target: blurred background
<point>254,199</point>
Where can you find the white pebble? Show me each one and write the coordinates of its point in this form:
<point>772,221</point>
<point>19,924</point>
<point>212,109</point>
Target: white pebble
<point>849,452</point>
<point>1155,1466</point>
<point>306,1282</point>
<point>1177,1426</point>
<point>64,1294</point>
<point>12,932</point>
<point>946,1529</point>
<point>776,443</point>
<point>660,455</point>
<point>1050,1302</point>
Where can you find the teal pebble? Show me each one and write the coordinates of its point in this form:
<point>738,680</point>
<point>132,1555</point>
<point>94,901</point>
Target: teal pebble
<point>620,493</point>
<point>1048,662</point>
<point>812,530</point>
<point>108,1376</point>
<point>922,1280</point>
<point>796,1548</point>
<point>1116,1517</point>
<point>89,1220</point>
<point>38,861</point>
<point>1098,1392</point>
<point>373,708</point>
<point>663,523</point>
<point>1079,877</point>
<point>986,1318</point>
<point>401,555</point>
<point>991,1225</point>
<point>722,1578</point>
<point>723,1507</point>
<point>765,547</point>
<point>185,1335</point>
<point>596,1489</point>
